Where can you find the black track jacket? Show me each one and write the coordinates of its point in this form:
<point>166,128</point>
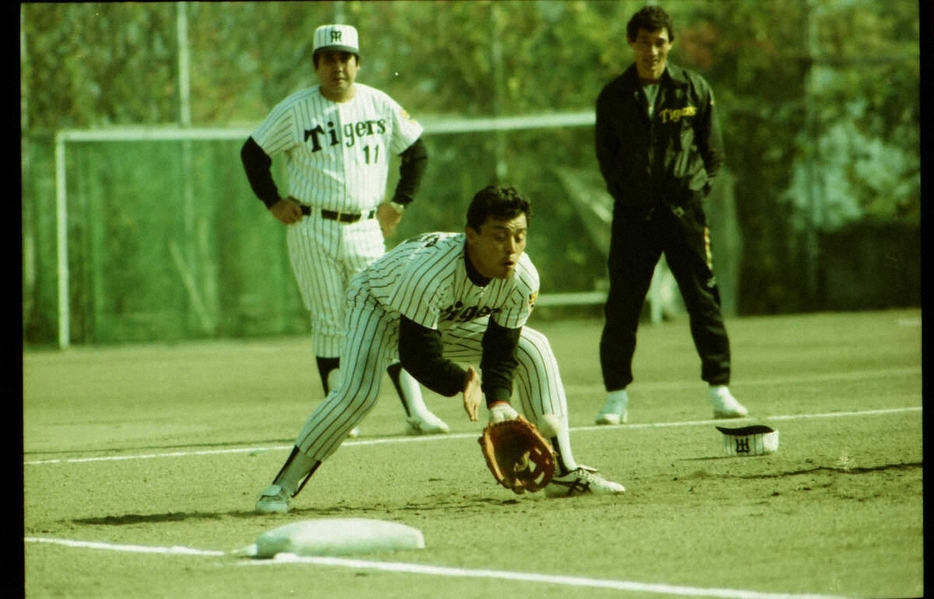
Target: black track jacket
<point>671,158</point>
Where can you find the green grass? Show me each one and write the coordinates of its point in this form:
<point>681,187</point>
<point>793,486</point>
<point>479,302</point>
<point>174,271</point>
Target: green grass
<point>167,446</point>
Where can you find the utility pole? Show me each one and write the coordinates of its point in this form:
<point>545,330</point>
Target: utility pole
<point>496,48</point>
<point>814,221</point>
<point>195,266</point>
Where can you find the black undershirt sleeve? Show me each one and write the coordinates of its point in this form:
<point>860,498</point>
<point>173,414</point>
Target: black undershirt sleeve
<point>499,362</point>
<point>257,165</point>
<point>411,171</point>
<point>422,355</point>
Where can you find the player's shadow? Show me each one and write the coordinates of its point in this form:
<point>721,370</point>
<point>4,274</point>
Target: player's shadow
<point>130,519</point>
<point>461,503</point>
<point>172,517</point>
<point>841,467</point>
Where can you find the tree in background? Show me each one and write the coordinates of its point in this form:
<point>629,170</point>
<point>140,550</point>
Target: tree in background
<point>820,103</point>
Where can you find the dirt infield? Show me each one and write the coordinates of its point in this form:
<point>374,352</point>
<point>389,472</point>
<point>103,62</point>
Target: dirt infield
<point>142,464</point>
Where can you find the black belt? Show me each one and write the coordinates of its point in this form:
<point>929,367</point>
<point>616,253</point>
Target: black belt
<point>341,217</point>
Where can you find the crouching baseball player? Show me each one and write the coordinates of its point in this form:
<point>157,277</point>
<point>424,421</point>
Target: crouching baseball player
<point>434,302</point>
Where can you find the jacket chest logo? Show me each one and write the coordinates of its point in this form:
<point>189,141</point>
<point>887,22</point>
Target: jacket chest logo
<point>670,115</point>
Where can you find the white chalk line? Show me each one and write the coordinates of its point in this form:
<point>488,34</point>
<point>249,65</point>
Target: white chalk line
<point>174,550</point>
<point>428,570</point>
<point>554,579</point>
<point>765,382</point>
<point>433,438</point>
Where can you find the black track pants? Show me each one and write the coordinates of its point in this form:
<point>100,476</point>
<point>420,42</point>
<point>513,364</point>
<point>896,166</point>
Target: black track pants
<point>638,241</point>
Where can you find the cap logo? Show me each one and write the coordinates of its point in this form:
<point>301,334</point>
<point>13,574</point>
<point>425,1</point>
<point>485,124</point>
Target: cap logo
<point>336,36</point>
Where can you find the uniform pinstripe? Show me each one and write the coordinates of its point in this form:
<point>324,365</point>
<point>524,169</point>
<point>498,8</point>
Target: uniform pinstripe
<point>426,280</point>
<point>337,158</point>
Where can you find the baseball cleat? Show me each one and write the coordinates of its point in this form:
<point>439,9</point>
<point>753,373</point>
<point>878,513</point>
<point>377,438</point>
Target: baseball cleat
<point>273,500</point>
<point>426,425</point>
<point>724,404</point>
<point>582,482</point>
<point>615,410</point>
<point>610,418</point>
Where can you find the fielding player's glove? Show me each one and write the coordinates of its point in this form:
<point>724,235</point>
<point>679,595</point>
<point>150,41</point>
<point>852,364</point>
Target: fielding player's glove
<point>519,457</point>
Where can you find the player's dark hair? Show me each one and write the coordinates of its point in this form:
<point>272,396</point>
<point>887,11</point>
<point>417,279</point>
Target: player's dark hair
<point>650,18</point>
<point>501,203</point>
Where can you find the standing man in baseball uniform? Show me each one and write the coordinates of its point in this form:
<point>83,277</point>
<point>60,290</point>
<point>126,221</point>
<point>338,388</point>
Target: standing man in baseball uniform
<point>659,148</point>
<point>337,138</point>
<point>436,301</point>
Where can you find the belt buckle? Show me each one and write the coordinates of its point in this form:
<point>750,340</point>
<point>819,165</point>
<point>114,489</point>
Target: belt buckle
<point>352,217</point>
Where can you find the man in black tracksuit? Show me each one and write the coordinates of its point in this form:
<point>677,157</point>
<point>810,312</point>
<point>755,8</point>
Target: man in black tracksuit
<point>659,147</point>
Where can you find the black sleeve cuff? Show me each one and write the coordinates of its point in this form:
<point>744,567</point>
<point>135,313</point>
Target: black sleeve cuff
<point>499,362</point>
<point>257,165</point>
<point>411,172</point>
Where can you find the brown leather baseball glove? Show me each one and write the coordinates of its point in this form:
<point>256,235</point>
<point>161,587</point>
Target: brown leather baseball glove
<point>519,457</point>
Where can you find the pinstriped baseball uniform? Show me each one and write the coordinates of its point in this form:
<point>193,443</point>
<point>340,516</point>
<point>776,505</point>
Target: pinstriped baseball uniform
<point>425,279</point>
<point>337,156</point>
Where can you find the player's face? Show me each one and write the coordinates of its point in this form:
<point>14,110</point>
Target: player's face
<point>495,249</point>
<point>337,72</point>
<point>650,51</point>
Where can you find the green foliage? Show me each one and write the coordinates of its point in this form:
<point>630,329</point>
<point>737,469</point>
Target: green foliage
<point>819,102</point>
<point>94,64</point>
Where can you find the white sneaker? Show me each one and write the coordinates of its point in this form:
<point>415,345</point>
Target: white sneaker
<point>273,500</point>
<point>582,482</point>
<point>724,404</point>
<point>615,410</point>
<point>426,425</point>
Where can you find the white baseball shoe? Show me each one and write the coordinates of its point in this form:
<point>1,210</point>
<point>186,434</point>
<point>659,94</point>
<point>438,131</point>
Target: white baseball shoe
<point>429,424</point>
<point>724,404</point>
<point>582,482</point>
<point>615,410</point>
<point>273,500</point>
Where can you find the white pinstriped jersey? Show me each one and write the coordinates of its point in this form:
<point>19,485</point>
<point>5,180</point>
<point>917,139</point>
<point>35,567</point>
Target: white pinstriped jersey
<point>338,153</point>
<point>425,279</point>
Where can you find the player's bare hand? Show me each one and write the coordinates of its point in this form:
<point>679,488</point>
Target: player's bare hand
<point>287,211</point>
<point>472,393</point>
<point>388,218</point>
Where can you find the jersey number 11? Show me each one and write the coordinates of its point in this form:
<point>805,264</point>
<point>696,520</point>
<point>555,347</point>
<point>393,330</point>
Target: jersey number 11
<point>372,157</point>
